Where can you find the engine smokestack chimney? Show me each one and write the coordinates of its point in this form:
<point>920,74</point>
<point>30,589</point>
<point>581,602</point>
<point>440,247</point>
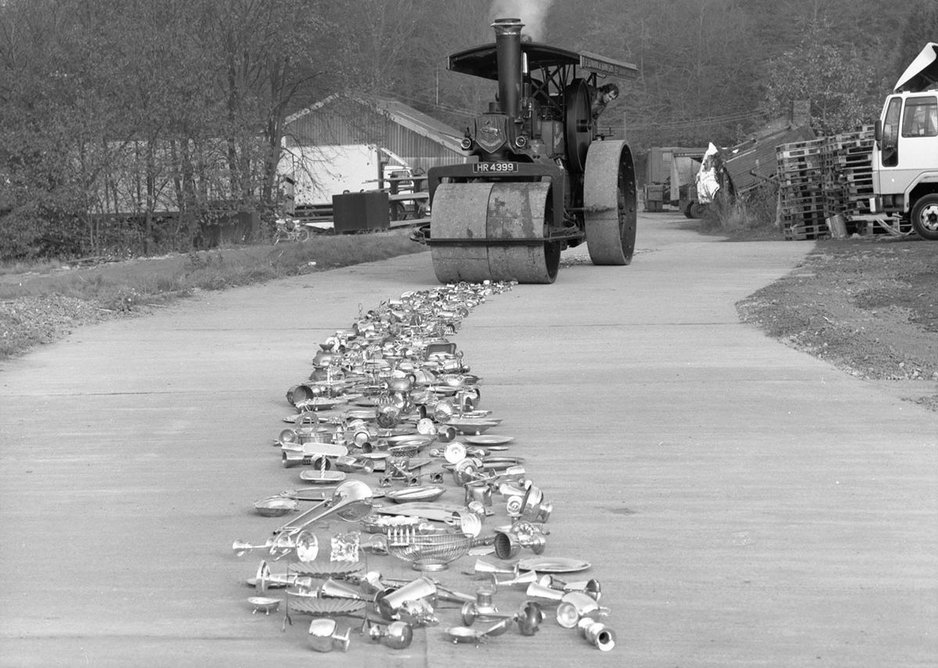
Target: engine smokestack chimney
<point>508,51</point>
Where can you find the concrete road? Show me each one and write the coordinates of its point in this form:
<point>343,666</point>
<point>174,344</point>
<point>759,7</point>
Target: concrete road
<point>741,503</point>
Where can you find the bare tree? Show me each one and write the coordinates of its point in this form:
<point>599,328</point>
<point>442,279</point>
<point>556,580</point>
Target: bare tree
<point>134,106</point>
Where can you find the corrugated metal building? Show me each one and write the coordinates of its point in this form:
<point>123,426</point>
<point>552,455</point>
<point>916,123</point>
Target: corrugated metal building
<point>419,140</point>
<point>751,164</point>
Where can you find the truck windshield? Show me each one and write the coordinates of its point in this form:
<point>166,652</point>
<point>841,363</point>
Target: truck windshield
<point>890,149</point>
<point>921,117</point>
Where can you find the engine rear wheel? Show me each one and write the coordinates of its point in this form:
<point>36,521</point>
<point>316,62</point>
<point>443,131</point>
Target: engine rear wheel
<point>493,231</point>
<point>578,124</point>
<point>610,202</point>
<point>925,217</point>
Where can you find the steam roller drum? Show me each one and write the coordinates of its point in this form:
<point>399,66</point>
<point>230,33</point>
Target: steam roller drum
<point>610,203</point>
<point>493,231</point>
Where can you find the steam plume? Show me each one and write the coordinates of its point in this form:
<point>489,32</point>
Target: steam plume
<point>533,13</point>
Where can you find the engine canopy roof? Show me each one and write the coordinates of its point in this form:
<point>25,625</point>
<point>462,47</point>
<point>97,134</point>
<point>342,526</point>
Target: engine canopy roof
<point>481,61</point>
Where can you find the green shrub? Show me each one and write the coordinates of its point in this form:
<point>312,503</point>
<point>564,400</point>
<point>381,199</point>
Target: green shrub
<point>750,215</point>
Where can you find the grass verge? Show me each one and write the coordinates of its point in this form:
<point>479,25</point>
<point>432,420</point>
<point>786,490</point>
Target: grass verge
<point>43,303</point>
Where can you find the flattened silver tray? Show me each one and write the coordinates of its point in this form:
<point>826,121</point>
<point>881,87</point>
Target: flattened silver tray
<point>488,439</point>
<point>472,427</point>
<point>361,414</point>
<point>411,494</point>
<point>438,512</point>
<point>325,569</point>
<point>415,439</point>
<point>301,419</point>
<point>323,403</point>
<point>308,605</point>
<point>499,463</point>
<point>264,604</point>
<point>553,565</point>
<point>275,506</point>
<point>322,477</point>
<point>463,634</point>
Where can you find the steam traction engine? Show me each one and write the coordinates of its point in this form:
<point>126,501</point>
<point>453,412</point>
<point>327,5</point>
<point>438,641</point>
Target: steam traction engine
<point>544,181</point>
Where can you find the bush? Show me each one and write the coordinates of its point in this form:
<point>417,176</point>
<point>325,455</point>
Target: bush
<point>752,214</point>
<point>17,235</point>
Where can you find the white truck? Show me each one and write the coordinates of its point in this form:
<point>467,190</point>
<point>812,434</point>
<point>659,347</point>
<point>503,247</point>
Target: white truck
<point>905,153</point>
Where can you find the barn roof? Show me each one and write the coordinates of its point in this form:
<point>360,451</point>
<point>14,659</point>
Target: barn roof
<point>421,123</point>
<point>400,113</point>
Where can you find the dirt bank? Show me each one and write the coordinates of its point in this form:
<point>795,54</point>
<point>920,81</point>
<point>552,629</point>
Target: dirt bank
<point>867,306</point>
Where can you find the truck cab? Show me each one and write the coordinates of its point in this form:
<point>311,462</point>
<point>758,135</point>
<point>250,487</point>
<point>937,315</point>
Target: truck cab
<point>905,153</point>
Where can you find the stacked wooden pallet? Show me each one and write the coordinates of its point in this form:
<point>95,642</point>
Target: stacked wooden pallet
<point>801,189</point>
<point>822,178</point>
<point>849,172</point>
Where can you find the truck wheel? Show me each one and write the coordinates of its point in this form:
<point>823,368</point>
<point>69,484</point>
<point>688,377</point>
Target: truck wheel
<point>398,212</point>
<point>925,217</point>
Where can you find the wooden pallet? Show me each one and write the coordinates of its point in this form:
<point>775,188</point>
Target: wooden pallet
<point>800,177</point>
<point>800,149</point>
<point>803,201</point>
<point>824,177</point>
<point>806,232</point>
<point>843,140</point>
<point>801,167</point>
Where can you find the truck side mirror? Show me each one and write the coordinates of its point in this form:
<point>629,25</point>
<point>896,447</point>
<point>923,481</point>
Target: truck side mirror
<point>878,131</point>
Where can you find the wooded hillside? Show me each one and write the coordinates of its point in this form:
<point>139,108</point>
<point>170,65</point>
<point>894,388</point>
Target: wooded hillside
<point>179,84</point>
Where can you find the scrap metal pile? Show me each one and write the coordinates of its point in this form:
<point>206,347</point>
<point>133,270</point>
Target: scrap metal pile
<point>388,423</point>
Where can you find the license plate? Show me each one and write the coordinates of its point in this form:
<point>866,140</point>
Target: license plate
<point>495,167</point>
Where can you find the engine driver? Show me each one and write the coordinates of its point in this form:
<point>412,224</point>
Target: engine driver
<point>602,97</point>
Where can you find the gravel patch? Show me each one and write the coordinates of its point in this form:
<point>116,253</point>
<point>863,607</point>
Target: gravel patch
<point>29,321</point>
